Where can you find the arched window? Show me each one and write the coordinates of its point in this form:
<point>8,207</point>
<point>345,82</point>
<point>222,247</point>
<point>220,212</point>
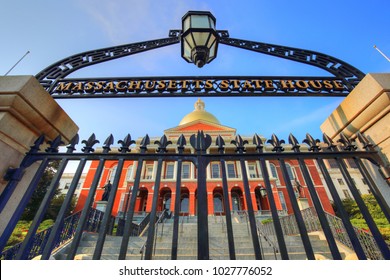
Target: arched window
<point>273,171</point>
<point>218,203</point>
<point>167,201</point>
<point>129,173</point>
<point>111,177</point>
<point>290,172</point>
<point>184,203</point>
<point>236,202</point>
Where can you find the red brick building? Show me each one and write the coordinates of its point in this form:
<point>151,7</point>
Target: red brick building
<point>200,119</point>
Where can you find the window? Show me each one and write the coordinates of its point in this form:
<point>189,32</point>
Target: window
<point>282,200</point>
<point>273,171</point>
<point>341,182</point>
<point>351,163</point>
<point>252,170</point>
<point>112,174</point>
<point>129,173</point>
<point>290,172</point>
<point>169,171</point>
<point>185,171</point>
<point>121,202</point>
<point>215,171</point>
<point>333,163</point>
<point>148,172</point>
<point>347,194</point>
<point>231,170</point>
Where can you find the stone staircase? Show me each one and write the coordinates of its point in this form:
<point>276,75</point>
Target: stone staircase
<point>187,243</point>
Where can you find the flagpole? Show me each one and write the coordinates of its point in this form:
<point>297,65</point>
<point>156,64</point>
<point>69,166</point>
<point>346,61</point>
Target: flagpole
<point>17,63</point>
<point>388,59</point>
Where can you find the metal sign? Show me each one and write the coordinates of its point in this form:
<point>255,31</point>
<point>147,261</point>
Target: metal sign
<point>344,76</point>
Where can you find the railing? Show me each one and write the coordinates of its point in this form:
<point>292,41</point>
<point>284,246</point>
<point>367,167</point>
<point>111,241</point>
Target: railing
<point>137,228</point>
<point>243,214</point>
<point>269,213</point>
<point>267,239</point>
<point>67,232</point>
<point>160,219</point>
<point>184,216</point>
<point>339,232</point>
<point>221,216</point>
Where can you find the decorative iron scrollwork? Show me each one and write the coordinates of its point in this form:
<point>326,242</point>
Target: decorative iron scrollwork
<point>88,148</point>
<point>335,66</point>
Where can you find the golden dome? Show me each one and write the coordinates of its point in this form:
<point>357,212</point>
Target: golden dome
<point>199,114</point>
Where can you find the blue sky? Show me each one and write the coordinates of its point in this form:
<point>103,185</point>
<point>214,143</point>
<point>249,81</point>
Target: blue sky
<point>53,30</point>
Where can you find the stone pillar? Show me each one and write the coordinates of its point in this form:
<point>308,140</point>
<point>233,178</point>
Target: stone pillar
<point>367,110</point>
<point>26,112</point>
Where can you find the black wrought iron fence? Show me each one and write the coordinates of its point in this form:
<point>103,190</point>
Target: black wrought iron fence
<point>339,232</point>
<point>66,234</point>
<point>200,152</point>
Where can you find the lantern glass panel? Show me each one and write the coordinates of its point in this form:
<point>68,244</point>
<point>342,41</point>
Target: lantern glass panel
<point>212,52</point>
<point>186,24</point>
<point>190,41</point>
<point>200,21</point>
<point>187,51</point>
<point>211,40</point>
<point>200,38</point>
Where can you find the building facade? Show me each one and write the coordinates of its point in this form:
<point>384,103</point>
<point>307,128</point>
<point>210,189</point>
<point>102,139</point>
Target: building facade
<point>200,119</point>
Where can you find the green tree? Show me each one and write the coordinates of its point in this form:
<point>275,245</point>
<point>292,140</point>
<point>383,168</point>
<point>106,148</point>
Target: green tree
<point>39,193</point>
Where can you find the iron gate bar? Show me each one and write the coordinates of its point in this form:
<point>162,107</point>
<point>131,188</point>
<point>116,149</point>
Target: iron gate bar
<point>229,227</point>
<point>131,209</point>
<point>128,229</point>
<point>297,212</point>
<point>251,214</point>
<point>22,204</point>
<point>130,212</point>
<point>153,214</point>
<point>181,142</point>
<point>277,144</point>
<point>274,211</point>
<point>89,202</point>
<point>25,249</point>
<point>203,227</point>
<point>373,188</point>
<point>314,197</point>
<point>13,176</point>
<point>348,146</point>
<point>363,209</point>
<point>343,214</point>
<point>240,149</point>
<point>124,149</point>
<point>176,216</point>
<point>368,146</point>
<point>59,223</point>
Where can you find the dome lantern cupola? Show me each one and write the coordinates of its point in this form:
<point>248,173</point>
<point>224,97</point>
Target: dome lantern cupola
<point>199,114</point>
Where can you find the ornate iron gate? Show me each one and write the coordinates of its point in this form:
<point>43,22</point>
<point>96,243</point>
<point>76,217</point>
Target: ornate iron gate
<point>200,156</point>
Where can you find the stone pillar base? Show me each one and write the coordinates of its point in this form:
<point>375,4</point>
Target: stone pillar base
<point>303,203</point>
<point>101,206</point>
<point>26,112</point>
